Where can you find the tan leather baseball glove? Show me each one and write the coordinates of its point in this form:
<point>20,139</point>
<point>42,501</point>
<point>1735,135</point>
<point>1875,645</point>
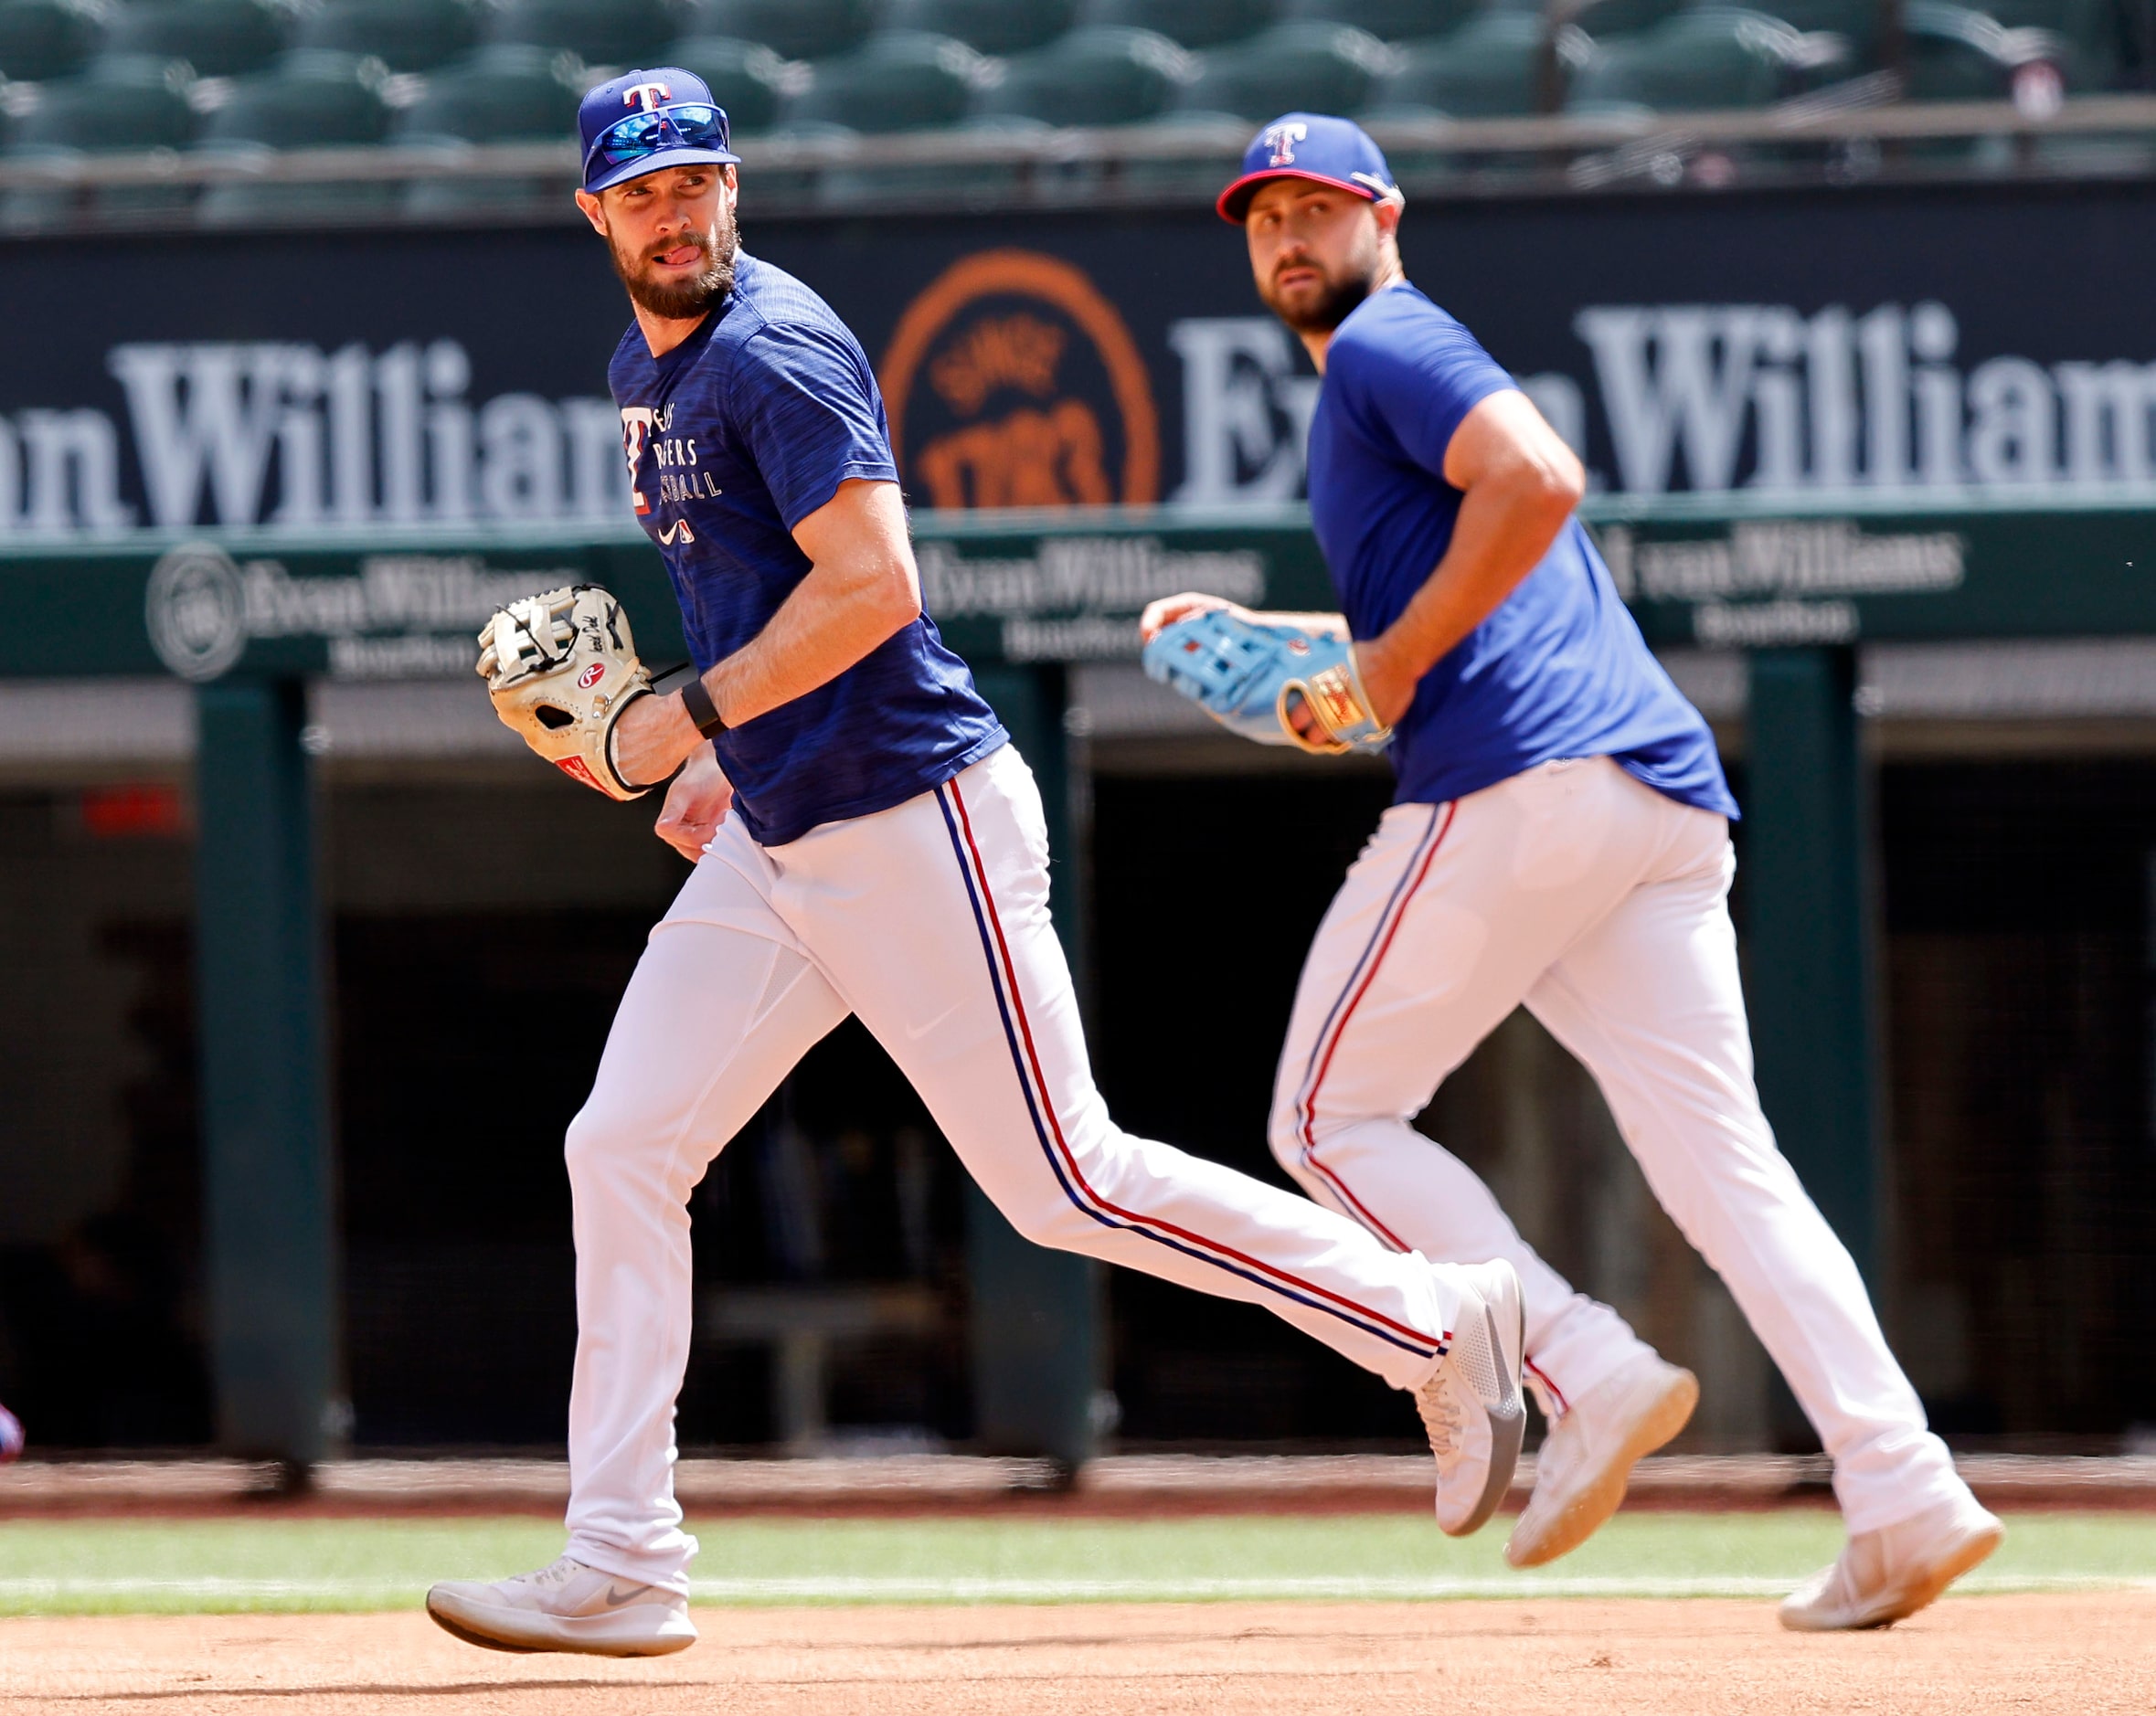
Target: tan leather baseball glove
<point>561,667</point>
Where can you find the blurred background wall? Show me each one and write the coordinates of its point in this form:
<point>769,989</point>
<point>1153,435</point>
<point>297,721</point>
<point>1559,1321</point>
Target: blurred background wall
<point>1730,254</point>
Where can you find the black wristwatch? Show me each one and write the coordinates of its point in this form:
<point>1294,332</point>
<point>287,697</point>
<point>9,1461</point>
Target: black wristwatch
<point>701,710</point>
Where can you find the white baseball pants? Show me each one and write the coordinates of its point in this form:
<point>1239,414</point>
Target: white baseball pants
<point>931,921</point>
<point>1603,906</point>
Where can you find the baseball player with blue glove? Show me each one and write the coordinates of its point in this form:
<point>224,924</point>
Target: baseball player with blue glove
<point>1559,840</point>
<point>867,841</point>
<point>1288,679</point>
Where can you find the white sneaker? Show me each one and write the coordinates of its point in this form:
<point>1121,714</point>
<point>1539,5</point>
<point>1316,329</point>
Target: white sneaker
<point>565,1606</point>
<point>1472,1406</point>
<point>1588,1457</point>
<point>1883,1576</point>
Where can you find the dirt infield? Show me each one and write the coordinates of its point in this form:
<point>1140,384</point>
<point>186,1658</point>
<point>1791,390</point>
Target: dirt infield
<point>2083,1654</point>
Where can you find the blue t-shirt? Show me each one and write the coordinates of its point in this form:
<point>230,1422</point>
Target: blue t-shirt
<point>733,438</point>
<point>1560,669</point>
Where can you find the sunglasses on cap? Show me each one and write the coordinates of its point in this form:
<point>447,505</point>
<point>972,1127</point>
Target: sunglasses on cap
<point>689,125</point>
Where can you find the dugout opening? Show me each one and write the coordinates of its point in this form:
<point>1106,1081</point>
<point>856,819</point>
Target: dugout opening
<point>471,895</point>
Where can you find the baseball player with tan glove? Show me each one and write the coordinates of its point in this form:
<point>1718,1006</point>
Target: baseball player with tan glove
<point>867,841</point>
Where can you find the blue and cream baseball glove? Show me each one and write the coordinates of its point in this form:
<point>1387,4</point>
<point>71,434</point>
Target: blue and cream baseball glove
<point>1258,679</point>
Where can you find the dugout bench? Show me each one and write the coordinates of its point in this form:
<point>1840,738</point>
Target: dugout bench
<point>800,1325</point>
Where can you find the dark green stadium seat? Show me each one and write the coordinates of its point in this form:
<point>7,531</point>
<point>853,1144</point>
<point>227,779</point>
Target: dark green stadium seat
<point>1194,23</point>
<point>2100,37</point>
<point>83,114</point>
<point>1860,22</point>
<point>219,39</point>
<point>800,29</point>
<point>2105,155</point>
<point>1708,57</point>
<point>1317,67</point>
<point>1492,66</point>
<point>404,35</point>
<point>1602,19</point>
<point>1389,20</point>
<point>619,33</point>
<point>1200,176</point>
<point>742,75</point>
<point>1954,54</point>
<point>788,189</point>
<point>896,81</point>
<point>1094,77</point>
<point>43,38</point>
<point>1417,162</point>
<point>504,94</point>
<point>977,184</point>
<point>994,26</point>
<point>121,106</point>
<point>312,98</point>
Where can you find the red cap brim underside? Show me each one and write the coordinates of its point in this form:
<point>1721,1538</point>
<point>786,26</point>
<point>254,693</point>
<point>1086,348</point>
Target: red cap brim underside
<point>1234,203</point>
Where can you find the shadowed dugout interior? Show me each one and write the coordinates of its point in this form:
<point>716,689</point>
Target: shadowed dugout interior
<point>486,917</point>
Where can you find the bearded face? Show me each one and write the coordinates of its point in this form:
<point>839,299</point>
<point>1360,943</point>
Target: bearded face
<point>1312,296</point>
<point>1316,251</point>
<point>681,277</point>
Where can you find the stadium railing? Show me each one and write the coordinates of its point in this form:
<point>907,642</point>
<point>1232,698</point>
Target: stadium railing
<point>1850,136</point>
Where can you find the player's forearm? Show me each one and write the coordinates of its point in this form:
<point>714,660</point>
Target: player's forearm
<point>835,616</point>
<point>1506,524</point>
<point>843,610</point>
<point>1320,625</point>
<point>1165,611</point>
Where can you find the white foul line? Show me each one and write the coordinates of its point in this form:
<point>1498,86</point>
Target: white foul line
<point>376,1594</point>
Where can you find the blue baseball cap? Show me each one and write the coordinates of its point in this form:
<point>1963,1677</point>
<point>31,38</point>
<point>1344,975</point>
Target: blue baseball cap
<point>644,121</point>
<point>1318,146</point>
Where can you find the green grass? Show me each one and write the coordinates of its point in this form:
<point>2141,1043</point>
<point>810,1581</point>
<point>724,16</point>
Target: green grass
<point>66,1567</point>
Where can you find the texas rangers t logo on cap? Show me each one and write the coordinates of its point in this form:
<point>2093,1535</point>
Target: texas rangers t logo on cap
<point>670,121</point>
<point>1322,148</point>
<point>1281,139</point>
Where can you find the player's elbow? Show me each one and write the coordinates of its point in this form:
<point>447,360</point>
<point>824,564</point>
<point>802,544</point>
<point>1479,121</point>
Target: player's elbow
<point>899,598</point>
<point>1542,496</point>
<point>1571,483</point>
<point>1557,484</point>
<point>879,594</point>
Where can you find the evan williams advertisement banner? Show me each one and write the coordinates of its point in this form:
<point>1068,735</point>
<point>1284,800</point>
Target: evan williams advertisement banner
<point>1987,339</point>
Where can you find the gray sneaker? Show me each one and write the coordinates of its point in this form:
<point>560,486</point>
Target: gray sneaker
<point>565,1606</point>
<point>1472,1406</point>
<point>1588,1457</point>
<point>1883,1576</point>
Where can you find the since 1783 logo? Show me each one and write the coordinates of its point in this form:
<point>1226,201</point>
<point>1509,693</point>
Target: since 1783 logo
<point>1011,381</point>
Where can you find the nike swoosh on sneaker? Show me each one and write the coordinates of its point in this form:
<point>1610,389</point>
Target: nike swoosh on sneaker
<point>615,1599</point>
